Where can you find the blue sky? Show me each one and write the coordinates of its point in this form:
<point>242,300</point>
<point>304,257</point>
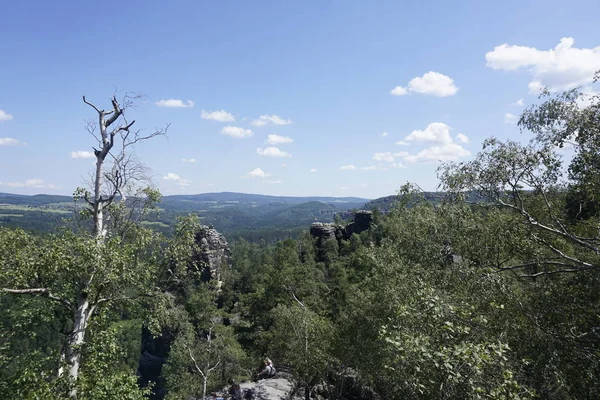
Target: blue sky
<point>331,76</point>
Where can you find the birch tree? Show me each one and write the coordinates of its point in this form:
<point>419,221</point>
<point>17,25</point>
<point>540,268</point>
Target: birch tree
<point>81,273</point>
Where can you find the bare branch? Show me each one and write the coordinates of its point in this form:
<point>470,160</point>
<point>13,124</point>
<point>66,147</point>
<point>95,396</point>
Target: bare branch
<point>94,107</point>
<point>195,363</point>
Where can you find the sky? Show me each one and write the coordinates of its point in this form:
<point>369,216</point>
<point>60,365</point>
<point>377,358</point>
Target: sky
<point>299,98</point>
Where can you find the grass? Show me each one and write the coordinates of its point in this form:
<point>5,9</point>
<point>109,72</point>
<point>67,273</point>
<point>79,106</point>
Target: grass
<point>11,215</point>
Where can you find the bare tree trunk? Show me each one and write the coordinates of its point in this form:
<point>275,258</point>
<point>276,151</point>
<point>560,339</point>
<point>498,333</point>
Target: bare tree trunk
<point>98,213</point>
<point>72,351</point>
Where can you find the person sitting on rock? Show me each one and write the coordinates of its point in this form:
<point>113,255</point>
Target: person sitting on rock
<point>269,370</point>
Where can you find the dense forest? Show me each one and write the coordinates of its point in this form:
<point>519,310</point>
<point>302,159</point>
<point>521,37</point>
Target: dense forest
<point>450,299</point>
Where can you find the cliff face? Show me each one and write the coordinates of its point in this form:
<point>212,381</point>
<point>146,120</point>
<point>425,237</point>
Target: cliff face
<point>214,255</point>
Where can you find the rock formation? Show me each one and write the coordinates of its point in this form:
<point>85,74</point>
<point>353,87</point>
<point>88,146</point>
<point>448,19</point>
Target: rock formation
<point>215,252</point>
<point>214,255</point>
<point>363,219</point>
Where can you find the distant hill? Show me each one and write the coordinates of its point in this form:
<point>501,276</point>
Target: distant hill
<point>229,212</point>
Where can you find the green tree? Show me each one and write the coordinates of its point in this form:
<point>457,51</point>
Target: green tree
<point>84,272</point>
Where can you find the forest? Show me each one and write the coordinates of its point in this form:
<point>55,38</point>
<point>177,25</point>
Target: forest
<point>496,298</point>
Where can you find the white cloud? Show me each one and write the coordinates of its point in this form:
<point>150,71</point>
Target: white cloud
<point>348,167</point>
<point>276,139</point>
<point>510,118</point>
<point>284,165</point>
<point>402,143</point>
<point>383,134</point>
<point>256,173</point>
<point>179,181</point>
<point>82,154</point>
<point>462,138</point>
<point>7,141</point>
<point>272,152</point>
<point>175,103</point>
<point>399,91</point>
<point>171,177</point>
<point>220,115</point>
<point>436,132</point>
<point>444,149</point>
<point>188,160</point>
<point>432,83</point>
<point>275,181</point>
<point>369,168</point>
<point>29,183</point>
<point>313,170</point>
<point>444,152</point>
<point>344,188</point>
<point>4,116</point>
<point>561,68</point>
<point>236,132</point>
<point>518,103</point>
<point>385,157</point>
<point>270,120</point>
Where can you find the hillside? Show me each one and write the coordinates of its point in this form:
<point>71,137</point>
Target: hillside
<point>232,213</point>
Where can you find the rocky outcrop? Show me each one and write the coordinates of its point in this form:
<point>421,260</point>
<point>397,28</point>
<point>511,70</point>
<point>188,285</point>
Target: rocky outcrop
<point>323,231</point>
<point>214,255</point>
<point>215,252</point>
<point>363,220</point>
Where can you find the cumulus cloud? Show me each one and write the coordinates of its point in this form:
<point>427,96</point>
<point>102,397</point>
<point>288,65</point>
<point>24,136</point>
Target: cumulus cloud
<point>462,138</point>
<point>561,68</point>
<point>444,147</point>
<point>179,181</point>
<point>4,116</point>
<point>272,152</point>
<point>313,170</point>
<point>7,141</point>
<point>188,160</point>
<point>432,83</point>
<point>510,118</point>
<point>256,173</point>
<point>82,154</point>
<point>270,120</point>
<point>518,103</point>
<point>384,156</point>
<point>369,168</point>
<point>402,143</point>
<point>175,103</point>
<point>445,152</point>
<point>348,167</point>
<point>220,115</point>
<point>383,134</point>
<point>29,183</point>
<point>236,132</point>
<point>436,132</point>
<point>399,91</point>
<point>171,177</point>
<point>276,139</point>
